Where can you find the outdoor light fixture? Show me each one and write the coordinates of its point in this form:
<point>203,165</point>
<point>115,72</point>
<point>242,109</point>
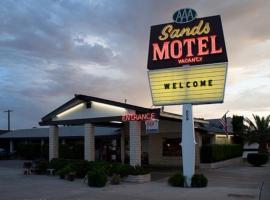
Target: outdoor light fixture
<point>116,122</point>
<point>81,105</point>
<point>109,107</point>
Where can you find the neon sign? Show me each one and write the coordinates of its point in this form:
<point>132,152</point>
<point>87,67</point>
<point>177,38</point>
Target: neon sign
<point>139,117</point>
<point>197,42</point>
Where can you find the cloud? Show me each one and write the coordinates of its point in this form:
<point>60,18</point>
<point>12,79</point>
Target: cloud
<point>52,49</point>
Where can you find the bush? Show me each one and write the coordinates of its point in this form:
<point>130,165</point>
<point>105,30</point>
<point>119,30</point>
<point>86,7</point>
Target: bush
<point>71,176</point>
<point>257,159</point>
<point>177,180</point>
<point>97,178</point>
<point>41,167</point>
<point>138,170</point>
<point>218,152</point>
<point>58,164</point>
<point>116,179</point>
<point>199,180</point>
<point>80,167</point>
<point>64,171</point>
<point>117,168</point>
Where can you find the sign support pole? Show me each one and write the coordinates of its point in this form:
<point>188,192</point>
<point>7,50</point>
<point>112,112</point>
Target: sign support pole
<point>188,143</point>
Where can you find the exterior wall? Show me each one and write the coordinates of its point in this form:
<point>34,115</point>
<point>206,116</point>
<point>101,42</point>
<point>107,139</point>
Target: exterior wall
<point>155,151</point>
<point>222,139</point>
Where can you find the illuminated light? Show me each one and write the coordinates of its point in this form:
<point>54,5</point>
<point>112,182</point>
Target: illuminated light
<point>175,49</point>
<point>70,110</point>
<point>107,106</point>
<point>196,85</point>
<point>139,117</point>
<point>116,122</point>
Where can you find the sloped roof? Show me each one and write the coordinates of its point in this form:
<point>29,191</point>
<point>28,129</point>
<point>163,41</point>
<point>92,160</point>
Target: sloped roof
<point>215,126</point>
<point>69,131</point>
<point>78,98</point>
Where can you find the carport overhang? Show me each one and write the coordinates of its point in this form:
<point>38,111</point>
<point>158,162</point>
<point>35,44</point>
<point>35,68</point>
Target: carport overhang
<point>91,112</point>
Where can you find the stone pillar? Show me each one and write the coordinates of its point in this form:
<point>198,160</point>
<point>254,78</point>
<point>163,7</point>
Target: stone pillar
<point>135,143</point>
<point>89,142</point>
<point>122,147</point>
<point>53,142</point>
<point>11,147</point>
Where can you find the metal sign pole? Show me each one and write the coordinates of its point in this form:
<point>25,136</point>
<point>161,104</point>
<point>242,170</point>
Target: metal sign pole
<point>188,143</point>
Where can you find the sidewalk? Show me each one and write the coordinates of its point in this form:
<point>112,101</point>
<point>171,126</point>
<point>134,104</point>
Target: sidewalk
<point>265,192</point>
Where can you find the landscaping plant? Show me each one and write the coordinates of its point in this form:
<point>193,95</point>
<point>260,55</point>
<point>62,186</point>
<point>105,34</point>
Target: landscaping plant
<point>97,178</point>
<point>115,179</point>
<point>257,159</point>
<point>177,180</point>
<point>199,180</point>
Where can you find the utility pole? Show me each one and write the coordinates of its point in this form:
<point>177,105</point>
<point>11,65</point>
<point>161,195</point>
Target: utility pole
<point>8,111</point>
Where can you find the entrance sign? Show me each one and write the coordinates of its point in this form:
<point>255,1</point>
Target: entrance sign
<point>198,42</point>
<point>139,117</point>
<point>196,84</point>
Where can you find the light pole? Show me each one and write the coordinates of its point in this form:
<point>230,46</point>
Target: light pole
<point>8,111</point>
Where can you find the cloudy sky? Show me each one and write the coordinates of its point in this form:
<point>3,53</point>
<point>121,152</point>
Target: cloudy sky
<point>52,49</point>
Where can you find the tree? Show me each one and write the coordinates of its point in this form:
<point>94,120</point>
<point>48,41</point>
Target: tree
<point>258,131</point>
<point>238,128</point>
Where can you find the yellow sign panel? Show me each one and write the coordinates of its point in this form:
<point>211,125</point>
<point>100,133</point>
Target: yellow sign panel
<point>193,84</point>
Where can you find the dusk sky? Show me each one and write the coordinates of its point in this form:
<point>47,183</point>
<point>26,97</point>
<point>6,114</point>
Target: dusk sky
<point>50,50</point>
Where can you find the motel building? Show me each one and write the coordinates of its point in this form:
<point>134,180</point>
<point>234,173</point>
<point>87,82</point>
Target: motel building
<point>115,131</point>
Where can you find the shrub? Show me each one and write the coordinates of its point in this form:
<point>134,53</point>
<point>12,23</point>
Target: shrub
<point>80,167</point>
<point>116,179</point>
<point>41,166</point>
<point>199,180</point>
<point>58,164</point>
<point>118,168</point>
<point>219,152</point>
<point>97,178</point>
<point>64,171</point>
<point>71,176</point>
<point>257,159</point>
<point>177,180</point>
<point>138,170</point>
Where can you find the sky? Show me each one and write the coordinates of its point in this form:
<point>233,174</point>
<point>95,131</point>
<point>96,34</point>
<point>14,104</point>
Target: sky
<point>53,49</point>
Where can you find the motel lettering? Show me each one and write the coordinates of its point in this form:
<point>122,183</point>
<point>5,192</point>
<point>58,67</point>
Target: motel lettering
<point>188,84</point>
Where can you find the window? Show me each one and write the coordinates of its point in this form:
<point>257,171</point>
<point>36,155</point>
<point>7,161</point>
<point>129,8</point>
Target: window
<point>171,147</point>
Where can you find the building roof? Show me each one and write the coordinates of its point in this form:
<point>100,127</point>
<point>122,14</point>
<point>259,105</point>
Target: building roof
<point>69,131</point>
<point>214,126</point>
<point>78,98</point>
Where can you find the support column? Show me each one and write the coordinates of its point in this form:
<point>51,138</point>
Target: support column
<point>53,142</point>
<point>122,147</point>
<point>11,147</point>
<point>188,143</point>
<point>135,143</point>
<point>89,142</point>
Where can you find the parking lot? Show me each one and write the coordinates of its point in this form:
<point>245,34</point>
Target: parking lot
<point>236,182</point>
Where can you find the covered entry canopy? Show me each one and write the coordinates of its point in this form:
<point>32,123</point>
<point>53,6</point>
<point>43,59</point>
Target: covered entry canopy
<point>91,112</point>
<point>84,109</point>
